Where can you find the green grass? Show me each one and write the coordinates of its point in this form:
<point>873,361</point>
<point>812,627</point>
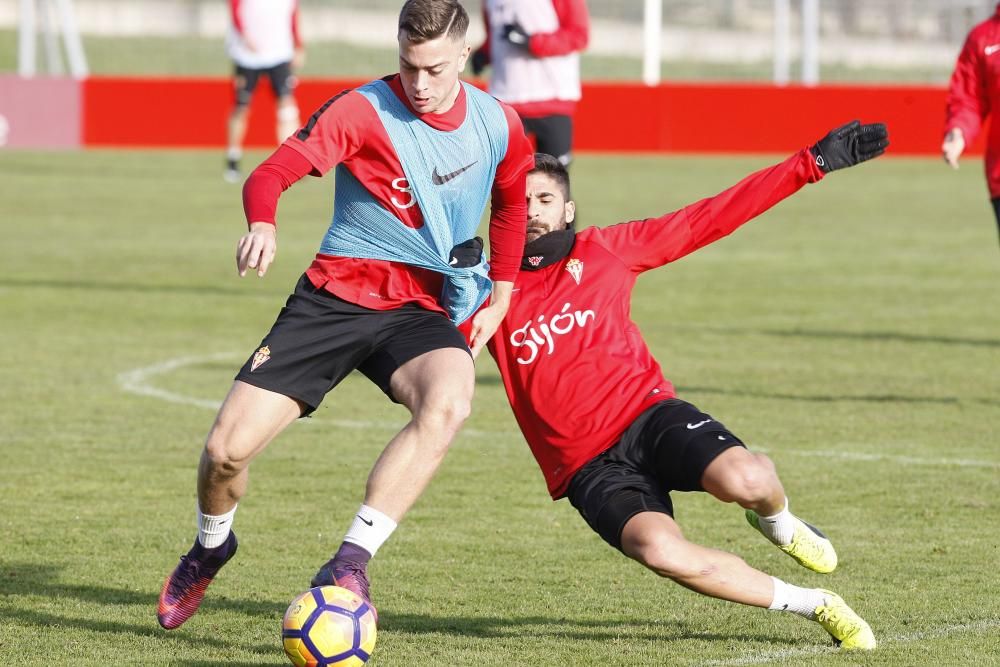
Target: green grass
<point>852,333</point>
<point>192,56</point>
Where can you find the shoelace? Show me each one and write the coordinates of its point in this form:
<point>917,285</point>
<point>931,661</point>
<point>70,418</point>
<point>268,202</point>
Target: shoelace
<point>832,617</point>
<point>186,575</point>
<point>806,547</point>
<point>356,573</point>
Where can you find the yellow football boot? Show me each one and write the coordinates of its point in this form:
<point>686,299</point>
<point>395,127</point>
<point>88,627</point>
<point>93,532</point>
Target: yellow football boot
<point>849,630</point>
<point>809,547</point>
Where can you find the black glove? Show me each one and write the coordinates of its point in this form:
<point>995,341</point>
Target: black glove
<point>466,254</point>
<point>480,59</point>
<point>515,34</point>
<point>850,144</point>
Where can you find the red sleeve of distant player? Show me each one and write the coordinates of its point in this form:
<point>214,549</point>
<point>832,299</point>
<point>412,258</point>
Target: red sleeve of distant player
<point>646,244</point>
<point>968,103</point>
<point>296,36</point>
<point>272,177</point>
<point>335,131</point>
<point>508,211</point>
<point>572,35</point>
<point>485,46</point>
<point>234,9</point>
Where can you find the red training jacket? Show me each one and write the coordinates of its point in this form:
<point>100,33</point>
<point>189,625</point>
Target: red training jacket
<point>575,367</point>
<point>975,90</point>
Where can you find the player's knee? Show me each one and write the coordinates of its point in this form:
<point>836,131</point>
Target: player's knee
<point>288,113</point>
<point>668,556</point>
<point>446,411</point>
<point>742,477</point>
<point>223,449</point>
<point>753,482</point>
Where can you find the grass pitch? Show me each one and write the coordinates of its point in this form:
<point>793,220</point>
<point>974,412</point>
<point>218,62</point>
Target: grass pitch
<point>853,333</point>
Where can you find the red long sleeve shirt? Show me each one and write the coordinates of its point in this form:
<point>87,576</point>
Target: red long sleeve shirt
<point>347,130</point>
<point>974,92</point>
<point>573,35</point>
<point>575,367</point>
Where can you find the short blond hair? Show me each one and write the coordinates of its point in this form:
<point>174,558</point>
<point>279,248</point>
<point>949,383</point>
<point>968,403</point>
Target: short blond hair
<point>424,20</point>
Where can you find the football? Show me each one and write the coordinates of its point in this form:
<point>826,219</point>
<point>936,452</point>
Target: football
<point>328,626</point>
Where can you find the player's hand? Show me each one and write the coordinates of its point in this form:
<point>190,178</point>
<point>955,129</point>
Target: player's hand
<point>466,254</point>
<point>516,35</point>
<point>256,249</point>
<point>250,44</point>
<point>484,324</point>
<point>953,146</point>
<point>849,145</point>
<point>480,59</point>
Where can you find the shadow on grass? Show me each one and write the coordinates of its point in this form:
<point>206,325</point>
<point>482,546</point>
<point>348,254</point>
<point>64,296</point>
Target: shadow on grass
<point>611,629</point>
<point>30,579</point>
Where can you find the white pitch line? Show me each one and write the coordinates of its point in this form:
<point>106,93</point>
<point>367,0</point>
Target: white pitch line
<point>139,381</point>
<point>785,654</point>
<point>905,460</point>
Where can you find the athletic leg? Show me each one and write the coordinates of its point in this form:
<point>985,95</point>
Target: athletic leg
<point>750,479</point>
<point>244,83</point>
<point>553,135</point>
<point>437,388</point>
<point>655,540</point>
<point>248,420</point>
<point>283,85</point>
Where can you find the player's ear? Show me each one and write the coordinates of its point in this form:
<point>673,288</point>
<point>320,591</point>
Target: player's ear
<point>464,56</point>
<point>570,212</point>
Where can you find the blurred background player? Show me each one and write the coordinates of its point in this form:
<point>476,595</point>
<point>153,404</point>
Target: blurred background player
<point>607,428</point>
<point>973,94</point>
<point>263,40</point>
<point>534,49</point>
<point>418,155</point>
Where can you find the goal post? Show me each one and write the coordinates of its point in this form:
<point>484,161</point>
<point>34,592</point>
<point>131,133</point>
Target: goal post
<point>54,19</point>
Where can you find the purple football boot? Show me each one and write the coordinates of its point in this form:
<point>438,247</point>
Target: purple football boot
<point>185,587</point>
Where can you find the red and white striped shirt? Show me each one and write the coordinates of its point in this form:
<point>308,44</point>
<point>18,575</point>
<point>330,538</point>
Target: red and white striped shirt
<point>263,33</point>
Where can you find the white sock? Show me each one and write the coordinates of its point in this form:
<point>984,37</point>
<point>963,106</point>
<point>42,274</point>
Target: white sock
<point>234,154</point>
<point>801,601</point>
<point>370,529</point>
<point>780,527</point>
<point>213,530</point>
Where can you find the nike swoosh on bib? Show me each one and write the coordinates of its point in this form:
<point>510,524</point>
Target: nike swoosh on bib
<point>438,179</point>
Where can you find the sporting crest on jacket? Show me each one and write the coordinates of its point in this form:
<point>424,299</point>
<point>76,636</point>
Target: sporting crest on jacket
<point>575,268</point>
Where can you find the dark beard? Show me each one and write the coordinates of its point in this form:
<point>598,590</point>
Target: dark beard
<point>547,249</point>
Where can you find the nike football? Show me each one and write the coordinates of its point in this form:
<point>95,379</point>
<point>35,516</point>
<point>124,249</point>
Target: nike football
<point>328,626</point>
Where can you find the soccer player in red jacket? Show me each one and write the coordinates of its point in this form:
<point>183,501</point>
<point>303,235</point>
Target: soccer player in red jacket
<point>607,428</point>
<point>534,49</point>
<point>973,93</point>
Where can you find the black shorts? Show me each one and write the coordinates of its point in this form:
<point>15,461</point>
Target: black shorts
<point>667,448</point>
<point>245,81</point>
<point>319,339</point>
<point>553,135</point>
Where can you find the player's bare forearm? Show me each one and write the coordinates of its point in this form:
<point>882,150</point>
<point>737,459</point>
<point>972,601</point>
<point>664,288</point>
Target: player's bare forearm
<point>486,322</point>
<point>256,248</point>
